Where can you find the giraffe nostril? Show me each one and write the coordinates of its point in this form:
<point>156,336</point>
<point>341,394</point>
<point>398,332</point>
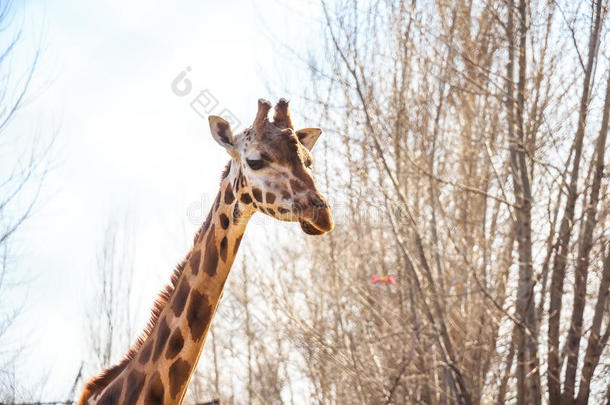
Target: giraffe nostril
<point>317,202</point>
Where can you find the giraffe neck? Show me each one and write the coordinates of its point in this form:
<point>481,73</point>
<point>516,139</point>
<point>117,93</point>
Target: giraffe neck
<point>159,370</point>
<point>186,320</point>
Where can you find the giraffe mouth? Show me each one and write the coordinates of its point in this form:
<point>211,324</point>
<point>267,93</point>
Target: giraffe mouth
<point>310,229</point>
<point>319,224</point>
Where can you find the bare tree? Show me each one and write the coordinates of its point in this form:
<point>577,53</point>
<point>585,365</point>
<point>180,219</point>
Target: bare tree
<point>109,322</point>
<point>467,126</point>
<point>25,162</point>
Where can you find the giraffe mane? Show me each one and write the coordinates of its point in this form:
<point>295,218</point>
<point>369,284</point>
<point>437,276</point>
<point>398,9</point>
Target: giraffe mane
<point>98,383</point>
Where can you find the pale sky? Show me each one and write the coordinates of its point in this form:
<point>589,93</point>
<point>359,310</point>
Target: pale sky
<point>127,143</point>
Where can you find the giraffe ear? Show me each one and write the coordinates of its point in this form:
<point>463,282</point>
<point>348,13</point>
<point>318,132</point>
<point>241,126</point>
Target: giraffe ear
<point>221,131</point>
<point>308,136</point>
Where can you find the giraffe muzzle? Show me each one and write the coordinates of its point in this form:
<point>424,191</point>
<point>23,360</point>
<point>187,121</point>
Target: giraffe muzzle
<point>316,218</point>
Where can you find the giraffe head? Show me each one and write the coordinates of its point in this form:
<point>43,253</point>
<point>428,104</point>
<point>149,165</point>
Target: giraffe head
<point>274,163</point>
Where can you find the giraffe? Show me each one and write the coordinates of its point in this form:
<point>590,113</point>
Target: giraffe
<point>269,172</point>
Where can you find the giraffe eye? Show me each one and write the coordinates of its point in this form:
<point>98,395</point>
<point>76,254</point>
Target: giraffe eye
<point>255,164</point>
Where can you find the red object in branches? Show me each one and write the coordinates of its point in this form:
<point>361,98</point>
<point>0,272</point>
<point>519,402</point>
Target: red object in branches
<point>387,280</point>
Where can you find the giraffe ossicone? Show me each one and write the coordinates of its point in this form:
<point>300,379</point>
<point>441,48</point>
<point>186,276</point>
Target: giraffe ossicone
<point>269,172</point>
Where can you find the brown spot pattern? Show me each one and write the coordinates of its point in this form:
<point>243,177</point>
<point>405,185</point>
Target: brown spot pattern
<point>282,210</point>
<point>205,227</point>
<point>135,383</point>
<point>155,392</point>
<point>178,375</point>
<point>296,186</point>
<point>198,314</point>
<point>146,350</point>
<point>175,345</point>
<point>163,334</point>
<point>223,249</point>
<point>210,260</point>
<point>270,198</point>
<point>226,171</point>
<point>229,197</point>
<point>113,394</point>
<point>237,242</point>
<point>258,195</point>
<point>236,213</point>
<point>245,198</point>
<point>194,261</point>
<point>270,211</point>
<point>224,221</point>
<point>180,296</point>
